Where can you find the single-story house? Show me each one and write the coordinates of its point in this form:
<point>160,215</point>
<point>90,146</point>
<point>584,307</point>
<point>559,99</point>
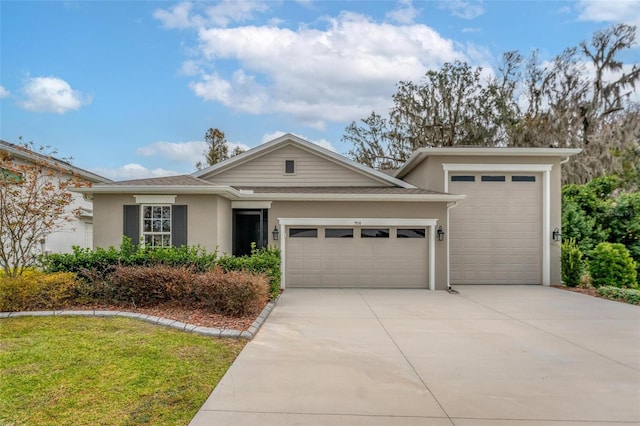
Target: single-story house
<point>78,231</point>
<point>447,216</point>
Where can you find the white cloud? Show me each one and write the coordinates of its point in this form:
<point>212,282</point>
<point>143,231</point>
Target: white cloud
<point>183,15</point>
<point>463,9</point>
<point>335,73</point>
<point>179,152</point>
<point>3,92</point>
<point>133,171</point>
<point>321,142</point>
<point>627,11</point>
<point>405,13</point>
<point>471,30</point>
<point>51,94</point>
<point>182,152</point>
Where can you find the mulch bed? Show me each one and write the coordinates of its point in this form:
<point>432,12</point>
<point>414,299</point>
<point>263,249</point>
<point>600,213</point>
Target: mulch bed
<point>590,291</point>
<point>194,316</point>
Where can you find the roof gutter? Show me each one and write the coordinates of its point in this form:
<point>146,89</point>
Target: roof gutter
<point>226,191</point>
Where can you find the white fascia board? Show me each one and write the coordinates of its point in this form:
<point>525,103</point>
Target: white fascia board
<point>501,152</point>
<point>226,191</point>
<point>497,167</point>
<point>155,199</point>
<point>330,221</point>
<point>251,204</point>
<point>356,197</point>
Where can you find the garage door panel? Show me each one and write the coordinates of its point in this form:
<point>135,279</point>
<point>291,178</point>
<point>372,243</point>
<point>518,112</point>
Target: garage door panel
<point>356,262</point>
<point>495,237</point>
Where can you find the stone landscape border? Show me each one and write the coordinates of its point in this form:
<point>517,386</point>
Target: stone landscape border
<point>179,325</point>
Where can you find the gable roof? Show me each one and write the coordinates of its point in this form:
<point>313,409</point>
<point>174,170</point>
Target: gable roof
<point>289,139</point>
<point>20,152</point>
<point>421,153</point>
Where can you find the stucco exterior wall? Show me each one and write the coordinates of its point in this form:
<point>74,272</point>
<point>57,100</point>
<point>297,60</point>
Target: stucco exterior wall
<point>202,219</point>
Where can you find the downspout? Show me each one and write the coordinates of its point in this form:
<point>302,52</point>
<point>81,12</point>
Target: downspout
<point>449,207</point>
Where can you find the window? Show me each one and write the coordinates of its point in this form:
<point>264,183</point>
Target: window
<point>410,233</point>
<point>338,233</point>
<point>463,178</point>
<point>303,232</point>
<point>289,167</point>
<point>156,226</point>
<point>523,178</point>
<point>374,233</point>
<point>493,178</point>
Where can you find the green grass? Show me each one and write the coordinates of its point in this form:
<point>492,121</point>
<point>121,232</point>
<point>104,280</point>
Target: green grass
<point>105,371</point>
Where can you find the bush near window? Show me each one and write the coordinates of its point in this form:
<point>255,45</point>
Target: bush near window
<point>98,265</point>
<point>572,264</point>
<point>611,265</point>
<point>629,295</point>
<point>35,290</point>
<point>103,261</point>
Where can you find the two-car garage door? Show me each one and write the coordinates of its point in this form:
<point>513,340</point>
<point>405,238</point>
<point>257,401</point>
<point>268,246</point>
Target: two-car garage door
<point>389,257</point>
<point>495,233</point>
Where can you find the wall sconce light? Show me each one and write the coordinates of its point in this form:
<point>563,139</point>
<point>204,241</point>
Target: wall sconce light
<point>440,233</point>
<point>275,233</point>
<point>556,234</point>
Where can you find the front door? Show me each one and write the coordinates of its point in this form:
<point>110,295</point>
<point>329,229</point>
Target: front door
<point>249,226</point>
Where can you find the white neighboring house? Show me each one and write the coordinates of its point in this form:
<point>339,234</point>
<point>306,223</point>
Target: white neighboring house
<point>78,232</point>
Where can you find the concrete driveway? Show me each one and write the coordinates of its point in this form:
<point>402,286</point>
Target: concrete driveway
<point>492,355</point>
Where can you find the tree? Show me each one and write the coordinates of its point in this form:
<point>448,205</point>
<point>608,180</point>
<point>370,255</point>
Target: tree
<point>580,99</point>
<point>34,202</point>
<point>217,148</point>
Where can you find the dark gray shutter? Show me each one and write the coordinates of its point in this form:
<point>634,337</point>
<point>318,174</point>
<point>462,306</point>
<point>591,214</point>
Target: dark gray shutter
<point>179,225</point>
<point>131,222</point>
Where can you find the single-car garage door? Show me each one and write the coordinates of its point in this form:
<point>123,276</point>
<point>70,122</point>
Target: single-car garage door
<point>495,233</point>
<point>380,257</point>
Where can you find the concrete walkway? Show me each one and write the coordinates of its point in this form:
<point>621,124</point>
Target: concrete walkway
<point>521,355</point>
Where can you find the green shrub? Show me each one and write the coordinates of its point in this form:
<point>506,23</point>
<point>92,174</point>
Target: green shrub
<point>578,225</point>
<point>572,265</point>
<point>624,224</point>
<point>629,295</point>
<point>35,290</point>
<point>235,293</point>
<point>102,261</point>
<point>611,265</point>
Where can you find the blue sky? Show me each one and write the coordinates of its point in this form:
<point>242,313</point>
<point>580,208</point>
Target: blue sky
<point>129,88</point>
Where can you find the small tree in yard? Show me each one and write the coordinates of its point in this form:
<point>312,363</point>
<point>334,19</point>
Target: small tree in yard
<point>34,201</point>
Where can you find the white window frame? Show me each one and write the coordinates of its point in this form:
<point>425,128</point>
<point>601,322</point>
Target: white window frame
<point>143,233</point>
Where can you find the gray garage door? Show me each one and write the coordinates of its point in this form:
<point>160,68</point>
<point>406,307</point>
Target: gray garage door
<point>383,257</point>
<point>495,233</point>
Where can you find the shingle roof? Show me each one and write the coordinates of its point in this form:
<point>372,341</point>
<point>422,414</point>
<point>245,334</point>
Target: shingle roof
<point>20,152</point>
<point>180,180</point>
<point>335,190</point>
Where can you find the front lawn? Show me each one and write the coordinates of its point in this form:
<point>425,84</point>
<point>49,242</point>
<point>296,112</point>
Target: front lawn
<point>116,371</point>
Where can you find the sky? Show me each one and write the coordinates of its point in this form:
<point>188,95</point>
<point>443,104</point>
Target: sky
<point>127,89</point>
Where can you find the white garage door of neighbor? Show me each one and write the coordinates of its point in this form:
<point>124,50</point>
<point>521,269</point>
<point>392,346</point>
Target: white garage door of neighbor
<point>496,232</point>
<point>372,257</point>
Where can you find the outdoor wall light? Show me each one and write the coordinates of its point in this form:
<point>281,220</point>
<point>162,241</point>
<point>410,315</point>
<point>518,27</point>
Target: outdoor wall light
<point>556,234</point>
<point>275,233</point>
<point>440,233</point>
